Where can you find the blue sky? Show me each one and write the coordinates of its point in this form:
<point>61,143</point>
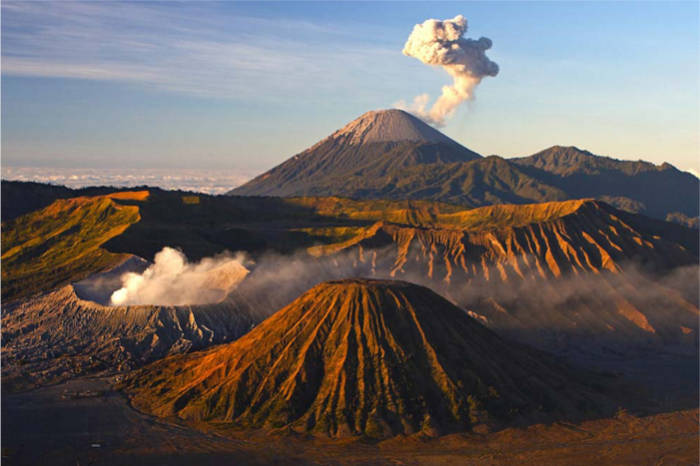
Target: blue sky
<point>243,86</point>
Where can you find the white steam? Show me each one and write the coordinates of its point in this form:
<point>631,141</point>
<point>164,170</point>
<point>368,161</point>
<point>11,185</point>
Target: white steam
<point>173,281</point>
<point>440,43</point>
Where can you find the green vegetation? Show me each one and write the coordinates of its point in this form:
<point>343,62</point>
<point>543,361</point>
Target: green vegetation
<point>73,238</point>
<point>61,243</point>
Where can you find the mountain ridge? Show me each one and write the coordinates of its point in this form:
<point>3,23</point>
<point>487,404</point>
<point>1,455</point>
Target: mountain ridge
<point>371,158</point>
<point>487,260</point>
<point>374,144</point>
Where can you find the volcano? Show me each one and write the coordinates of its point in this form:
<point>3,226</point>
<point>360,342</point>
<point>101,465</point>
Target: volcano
<point>364,357</point>
<point>392,155</point>
<point>370,147</point>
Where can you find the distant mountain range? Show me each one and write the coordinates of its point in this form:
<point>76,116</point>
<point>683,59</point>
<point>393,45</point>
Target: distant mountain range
<point>391,154</point>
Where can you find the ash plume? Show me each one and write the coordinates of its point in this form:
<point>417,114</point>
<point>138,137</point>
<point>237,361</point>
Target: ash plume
<point>172,280</point>
<point>440,43</point>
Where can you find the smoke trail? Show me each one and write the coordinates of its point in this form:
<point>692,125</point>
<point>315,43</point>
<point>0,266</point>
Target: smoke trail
<point>440,43</point>
<point>171,280</point>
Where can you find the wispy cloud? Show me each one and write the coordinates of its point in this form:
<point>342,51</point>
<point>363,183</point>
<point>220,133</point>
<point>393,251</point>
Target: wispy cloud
<point>177,47</point>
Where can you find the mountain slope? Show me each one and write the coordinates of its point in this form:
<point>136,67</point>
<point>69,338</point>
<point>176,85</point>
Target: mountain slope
<point>642,186</point>
<point>557,275</point>
<point>63,241</point>
<point>392,155</point>
<point>566,276</point>
<point>58,335</point>
<point>536,240</point>
<point>353,357</point>
<point>372,146</point>
<point>21,197</point>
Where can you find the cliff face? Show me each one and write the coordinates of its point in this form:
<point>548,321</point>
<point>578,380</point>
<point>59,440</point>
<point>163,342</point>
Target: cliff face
<point>586,237</point>
<point>565,276</point>
<point>369,357</point>
<point>583,271</point>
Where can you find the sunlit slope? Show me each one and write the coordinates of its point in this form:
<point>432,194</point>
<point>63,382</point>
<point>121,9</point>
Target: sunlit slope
<point>65,241</point>
<point>362,153</point>
<point>435,214</point>
<point>62,242</point>
<point>506,241</point>
<point>22,197</point>
<point>542,273</point>
<point>550,273</point>
<point>377,358</point>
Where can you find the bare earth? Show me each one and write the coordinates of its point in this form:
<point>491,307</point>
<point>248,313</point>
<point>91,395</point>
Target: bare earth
<point>85,422</point>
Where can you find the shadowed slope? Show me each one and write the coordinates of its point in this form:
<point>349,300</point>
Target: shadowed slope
<point>22,197</point>
<point>660,191</point>
<point>364,357</point>
<point>57,335</point>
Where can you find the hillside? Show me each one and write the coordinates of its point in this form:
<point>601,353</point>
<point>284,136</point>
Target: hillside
<point>373,146</point>
<point>656,190</point>
<point>202,226</point>
<point>577,277</point>
<point>364,357</point>
<point>575,274</point>
<point>534,240</point>
<point>21,197</point>
<point>63,242</point>
<point>391,155</point>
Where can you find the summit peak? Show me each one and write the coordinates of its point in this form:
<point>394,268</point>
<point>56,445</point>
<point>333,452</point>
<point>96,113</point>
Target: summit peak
<point>389,125</point>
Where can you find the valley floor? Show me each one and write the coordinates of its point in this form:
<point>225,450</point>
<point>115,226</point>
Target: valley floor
<point>84,421</point>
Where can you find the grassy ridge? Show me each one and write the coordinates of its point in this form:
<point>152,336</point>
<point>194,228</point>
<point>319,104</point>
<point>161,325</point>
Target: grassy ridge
<point>75,237</point>
<point>429,214</point>
<point>62,242</point>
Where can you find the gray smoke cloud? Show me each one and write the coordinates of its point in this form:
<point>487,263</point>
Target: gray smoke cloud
<point>440,43</point>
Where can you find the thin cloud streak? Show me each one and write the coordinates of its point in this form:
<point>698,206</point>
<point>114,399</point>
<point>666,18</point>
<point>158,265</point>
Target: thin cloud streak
<point>170,48</point>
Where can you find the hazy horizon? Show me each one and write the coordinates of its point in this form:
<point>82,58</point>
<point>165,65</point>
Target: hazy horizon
<point>240,87</point>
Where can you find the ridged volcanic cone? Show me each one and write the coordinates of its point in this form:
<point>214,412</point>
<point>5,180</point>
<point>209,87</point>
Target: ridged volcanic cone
<point>369,357</point>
